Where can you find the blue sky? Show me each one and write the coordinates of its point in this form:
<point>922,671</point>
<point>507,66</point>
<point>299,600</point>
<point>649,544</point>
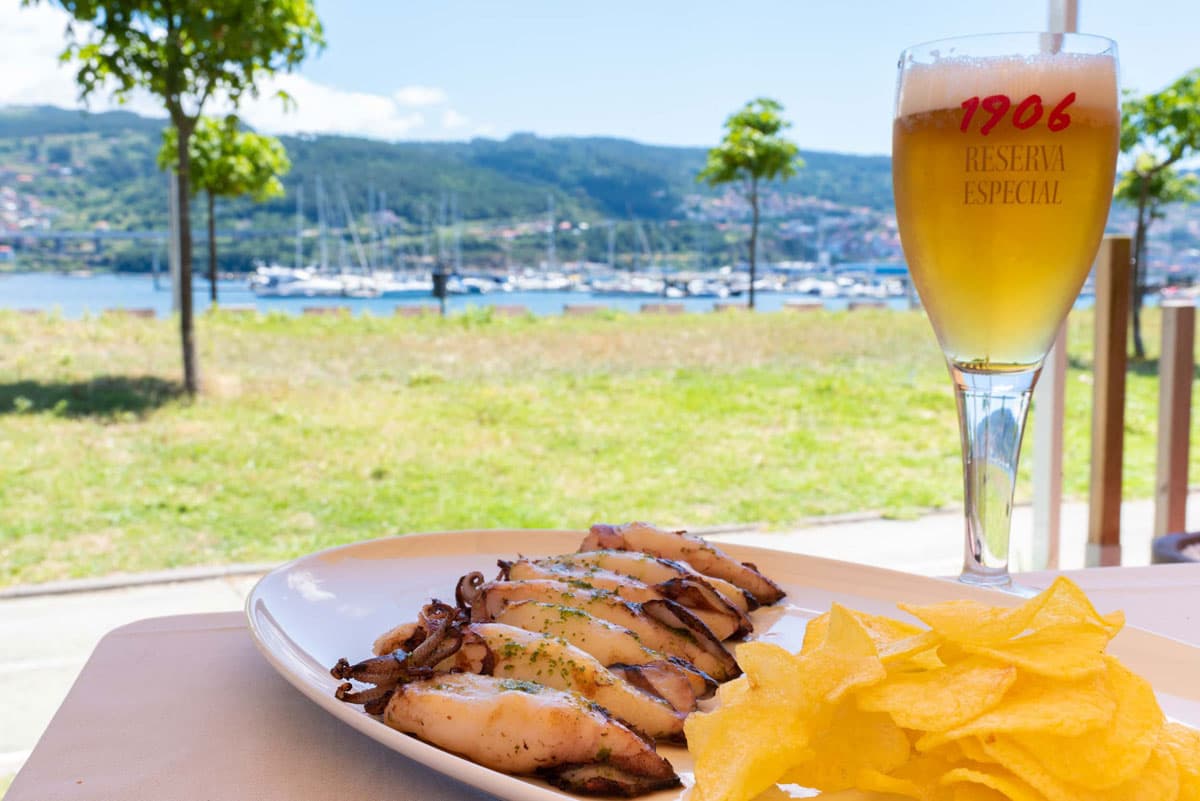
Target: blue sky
<point>662,71</point>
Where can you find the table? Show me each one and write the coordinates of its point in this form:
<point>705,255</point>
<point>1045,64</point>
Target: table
<point>179,708</point>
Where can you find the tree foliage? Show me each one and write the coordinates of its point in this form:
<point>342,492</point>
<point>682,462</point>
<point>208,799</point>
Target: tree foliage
<point>230,163</point>
<point>1157,131</point>
<point>1163,188</point>
<point>753,150</point>
<point>186,54</point>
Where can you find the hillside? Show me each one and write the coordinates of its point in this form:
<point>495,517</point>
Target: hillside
<point>113,176</point>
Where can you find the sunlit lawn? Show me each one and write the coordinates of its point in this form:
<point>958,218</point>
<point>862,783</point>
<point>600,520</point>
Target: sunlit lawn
<point>316,431</point>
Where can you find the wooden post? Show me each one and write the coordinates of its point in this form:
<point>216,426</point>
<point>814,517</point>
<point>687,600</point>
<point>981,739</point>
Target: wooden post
<point>1176,367</point>
<point>1048,416</point>
<point>1113,270</point>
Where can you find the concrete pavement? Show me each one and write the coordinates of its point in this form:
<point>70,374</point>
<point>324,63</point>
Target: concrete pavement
<point>45,638</point>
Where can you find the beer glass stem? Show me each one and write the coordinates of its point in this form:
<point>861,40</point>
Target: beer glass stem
<point>992,408</point>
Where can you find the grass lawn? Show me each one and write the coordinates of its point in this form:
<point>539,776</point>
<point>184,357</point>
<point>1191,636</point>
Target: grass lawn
<point>317,431</point>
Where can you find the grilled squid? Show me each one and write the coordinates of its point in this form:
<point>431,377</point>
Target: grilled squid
<point>684,547</point>
<point>497,649</point>
<point>529,729</point>
<point>662,625</point>
<point>568,667</point>
<point>653,570</point>
<point>722,618</point>
<point>677,681</point>
<point>419,647</point>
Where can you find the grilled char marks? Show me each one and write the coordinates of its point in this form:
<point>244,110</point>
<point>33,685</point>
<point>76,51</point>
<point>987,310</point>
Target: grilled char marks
<point>679,545</point>
<point>531,729</point>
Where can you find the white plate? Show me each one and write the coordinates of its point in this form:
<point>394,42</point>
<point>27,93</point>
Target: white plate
<point>306,614</point>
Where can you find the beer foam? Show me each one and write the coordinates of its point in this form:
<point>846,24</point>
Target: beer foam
<point>949,81</point>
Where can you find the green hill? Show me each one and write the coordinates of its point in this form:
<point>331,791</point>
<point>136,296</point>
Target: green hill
<point>100,168</point>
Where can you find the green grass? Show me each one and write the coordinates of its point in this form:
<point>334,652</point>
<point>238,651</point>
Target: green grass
<point>317,431</point>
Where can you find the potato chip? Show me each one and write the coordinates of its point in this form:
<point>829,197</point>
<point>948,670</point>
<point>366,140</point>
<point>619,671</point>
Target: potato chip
<point>814,633</point>
<point>972,749</point>
<point>851,743</point>
<point>774,793</point>
<point>882,630</point>
<point>995,779</point>
<point>916,778</point>
<point>1036,704</point>
<point>1061,651</point>
<point>1184,745</point>
<point>1157,780</point>
<point>918,652</point>
<point>988,704</point>
<point>975,792</point>
<point>858,795</point>
<point>935,700</point>
<point>971,621</point>
<point>746,744</point>
<point>741,750</point>
<point>846,659</point>
<point>1114,753</point>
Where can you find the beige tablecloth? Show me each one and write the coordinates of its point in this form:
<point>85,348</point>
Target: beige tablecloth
<point>185,709</point>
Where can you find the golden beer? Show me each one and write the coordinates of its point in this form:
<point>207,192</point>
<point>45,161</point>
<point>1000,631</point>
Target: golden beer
<point>1003,173</point>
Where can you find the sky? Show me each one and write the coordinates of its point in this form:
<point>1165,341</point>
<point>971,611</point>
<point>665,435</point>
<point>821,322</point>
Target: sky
<point>657,71</point>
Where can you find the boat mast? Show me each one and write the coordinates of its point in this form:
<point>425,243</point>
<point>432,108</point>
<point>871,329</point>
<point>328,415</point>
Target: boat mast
<point>372,251</point>
<point>426,234</point>
<point>441,228</point>
<point>363,263</point>
<point>551,255</point>
<point>299,226</point>
<point>644,243</point>
<point>324,246</point>
<point>457,233</point>
<point>382,234</point>
<point>612,245</point>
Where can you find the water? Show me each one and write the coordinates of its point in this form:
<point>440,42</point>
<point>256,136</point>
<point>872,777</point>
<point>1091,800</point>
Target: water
<point>75,297</point>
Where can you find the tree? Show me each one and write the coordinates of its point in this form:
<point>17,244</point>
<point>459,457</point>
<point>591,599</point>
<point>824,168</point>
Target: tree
<point>186,54</point>
<point>752,151</point>
<point>1157,131</point>
<point>227,162</point>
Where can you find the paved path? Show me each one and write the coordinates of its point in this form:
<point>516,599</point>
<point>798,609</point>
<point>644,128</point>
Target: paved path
<point>46,638</point>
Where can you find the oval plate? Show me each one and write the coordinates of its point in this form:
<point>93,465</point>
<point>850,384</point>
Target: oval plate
<point>308,613</point>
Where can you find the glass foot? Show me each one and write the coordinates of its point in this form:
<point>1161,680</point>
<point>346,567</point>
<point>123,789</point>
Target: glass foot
<point>999,581</point>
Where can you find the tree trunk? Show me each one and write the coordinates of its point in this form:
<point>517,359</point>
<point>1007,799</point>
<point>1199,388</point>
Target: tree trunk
<point>1139,266</point>
<point>753,236</point>
<point>191,373</point>
<point>212,249</point>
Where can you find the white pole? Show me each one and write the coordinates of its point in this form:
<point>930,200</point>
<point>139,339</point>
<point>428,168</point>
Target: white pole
<point>1049,399</point>
<point>173,249</point>
<point>1064,16</point>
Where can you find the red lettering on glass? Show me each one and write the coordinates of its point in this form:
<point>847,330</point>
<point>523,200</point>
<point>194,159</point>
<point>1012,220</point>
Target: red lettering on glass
<point>1026,115</point>
<point>970,104</point>
<point>1059,119</point>
<point>997,106</point>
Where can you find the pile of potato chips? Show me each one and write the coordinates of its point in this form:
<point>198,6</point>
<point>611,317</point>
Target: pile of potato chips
<point>987,703</point>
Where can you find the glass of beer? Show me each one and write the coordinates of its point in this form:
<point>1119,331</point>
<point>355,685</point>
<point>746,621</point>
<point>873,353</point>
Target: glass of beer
<point>1003,153</point>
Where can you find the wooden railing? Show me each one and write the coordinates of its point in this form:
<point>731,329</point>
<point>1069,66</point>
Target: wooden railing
<point>1176,367</point>
<point>1113,286</point>
<point>1176,371</point>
